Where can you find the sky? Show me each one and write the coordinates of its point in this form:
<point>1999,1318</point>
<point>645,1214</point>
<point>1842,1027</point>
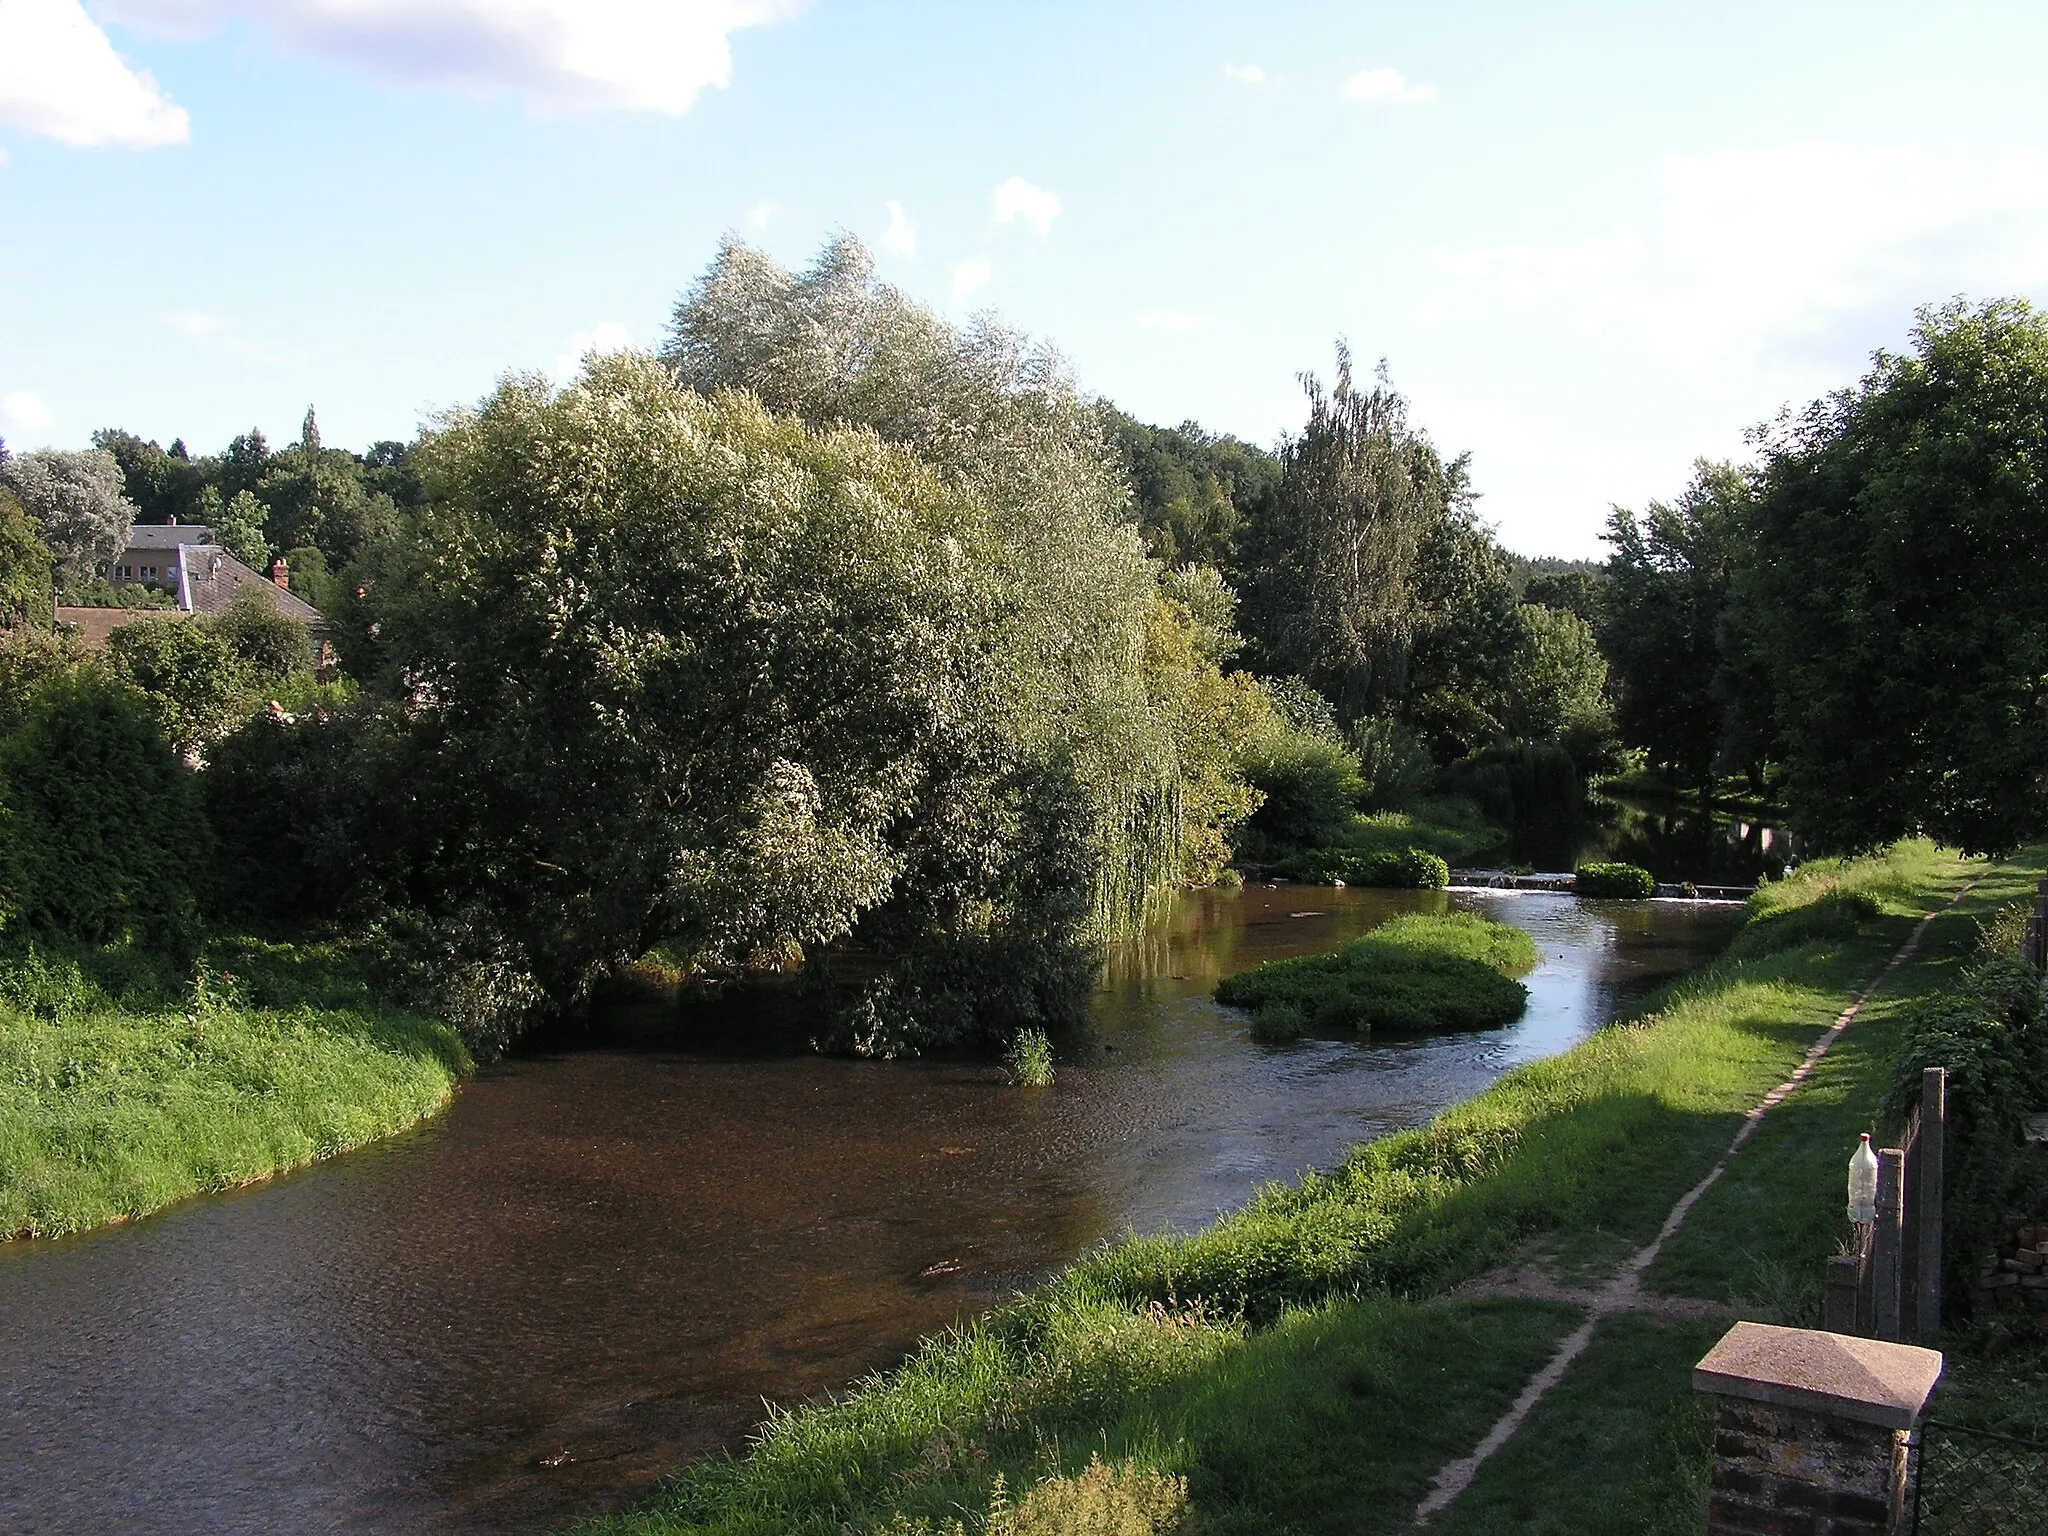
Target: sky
<point>1592,242</point>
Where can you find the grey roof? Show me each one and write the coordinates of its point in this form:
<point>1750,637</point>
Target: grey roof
<point>213,577</point>
<point>167,535</point>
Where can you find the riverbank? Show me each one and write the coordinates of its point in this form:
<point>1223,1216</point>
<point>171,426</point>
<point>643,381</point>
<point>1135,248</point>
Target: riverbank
<point>1309,1363</point>
<point>124,1088</point>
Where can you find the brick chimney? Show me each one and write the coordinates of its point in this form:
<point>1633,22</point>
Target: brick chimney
<point>280,573</point>
<point>170,522</point>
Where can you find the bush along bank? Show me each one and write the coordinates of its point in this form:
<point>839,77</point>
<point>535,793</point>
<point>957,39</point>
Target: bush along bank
<point>1417,972</point>
<point>126,1085</point>
<point>1614,882</point>
<point>1308,1363</point>
<point>1990,1031</point>
<point>1411,869</point>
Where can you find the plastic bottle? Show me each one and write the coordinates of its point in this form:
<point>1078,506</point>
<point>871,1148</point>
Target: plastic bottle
<point>1863,1184</point>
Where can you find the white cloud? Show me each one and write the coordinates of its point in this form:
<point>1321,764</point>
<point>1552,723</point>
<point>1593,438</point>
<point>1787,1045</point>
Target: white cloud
<point>1387,87</point>
<point>609,336</point>
<point>1775,263</point>
<point>192,322</point>
<point>972,274</point>
<point>1245,74</point>
<point>558,55</point>
<point>26,412</point>
<point>1596,368</point>
<point>1168,322</point>
<point>59,76</point>
<point>761,214</point>
<point>901,235</point>
<point>217,333</point>
<point>1017,199</point>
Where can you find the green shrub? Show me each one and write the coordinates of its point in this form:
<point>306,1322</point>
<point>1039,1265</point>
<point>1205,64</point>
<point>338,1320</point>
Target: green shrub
<point>29,658</point>
<point>271,644</point>
<point>102,834</point>
<point>48,986</point>
<point>1534,788</point>
<point>1418,972</point>
<point>1278,1022</point>
<point>1311,787</point>
<point>1030,1059</point>
<point>1412,869</point>
<point>1620,882</point>
<point>1991,1033</point>
<point>1394,766</point>
<point>310,816</point>
<point>189,673</point>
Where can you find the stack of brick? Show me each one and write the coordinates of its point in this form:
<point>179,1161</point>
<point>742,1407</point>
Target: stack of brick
<point>2016,1278</point>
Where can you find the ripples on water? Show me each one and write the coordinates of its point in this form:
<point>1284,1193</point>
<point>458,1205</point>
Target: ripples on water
<point>598,1262</point>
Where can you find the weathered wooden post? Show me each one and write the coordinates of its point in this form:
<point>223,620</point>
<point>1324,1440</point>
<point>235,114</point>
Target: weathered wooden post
<point>1811,1430</point>
<point>1845,1285</point>
<point>1885,1244</point>
<point>1928,1177</point>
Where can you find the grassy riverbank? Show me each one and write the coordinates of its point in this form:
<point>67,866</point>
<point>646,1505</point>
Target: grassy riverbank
<point>124,1087</point>
<point>1307,1364</point>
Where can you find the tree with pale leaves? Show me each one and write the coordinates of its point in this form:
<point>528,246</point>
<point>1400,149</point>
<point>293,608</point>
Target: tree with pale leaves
<point>78,503</point>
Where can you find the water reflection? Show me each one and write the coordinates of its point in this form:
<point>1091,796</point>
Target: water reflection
<point>598,1263</point>
<point>1679,840</point>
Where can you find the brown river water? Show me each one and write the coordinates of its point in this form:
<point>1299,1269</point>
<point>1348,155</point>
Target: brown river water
<point>599,1262</point>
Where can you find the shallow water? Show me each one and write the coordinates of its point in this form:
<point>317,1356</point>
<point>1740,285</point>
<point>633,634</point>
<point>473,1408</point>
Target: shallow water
<point>598,1263</point>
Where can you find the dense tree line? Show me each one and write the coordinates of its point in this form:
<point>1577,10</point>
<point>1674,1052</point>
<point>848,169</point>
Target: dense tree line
<point>1856,622</point>
<point>838,641</point>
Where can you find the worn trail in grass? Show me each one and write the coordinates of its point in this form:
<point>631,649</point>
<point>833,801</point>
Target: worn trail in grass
<point>1624,1291</point>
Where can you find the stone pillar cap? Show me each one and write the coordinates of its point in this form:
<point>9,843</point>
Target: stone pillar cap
<point>1866,1380</point>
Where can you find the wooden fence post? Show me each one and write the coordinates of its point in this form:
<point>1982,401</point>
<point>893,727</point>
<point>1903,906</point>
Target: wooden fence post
<point>1845,1283</point>
<point>1933,1126</point>
<point>1884,1246</point>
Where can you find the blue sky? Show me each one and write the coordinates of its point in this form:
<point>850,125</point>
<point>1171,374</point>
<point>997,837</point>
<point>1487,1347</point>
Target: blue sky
<point>1591,241</point>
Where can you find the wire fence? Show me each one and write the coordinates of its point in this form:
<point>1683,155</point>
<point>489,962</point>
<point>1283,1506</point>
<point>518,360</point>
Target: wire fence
<point>1970,1482</point>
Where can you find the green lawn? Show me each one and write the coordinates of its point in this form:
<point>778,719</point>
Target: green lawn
<point>1302,1364</point>
<point>122,1090</point>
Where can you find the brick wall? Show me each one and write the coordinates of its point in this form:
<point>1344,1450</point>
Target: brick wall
<point>1787,1472</point>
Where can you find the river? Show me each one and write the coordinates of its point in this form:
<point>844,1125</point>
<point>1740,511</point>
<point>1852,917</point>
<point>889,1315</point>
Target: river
<point>598,1263</point>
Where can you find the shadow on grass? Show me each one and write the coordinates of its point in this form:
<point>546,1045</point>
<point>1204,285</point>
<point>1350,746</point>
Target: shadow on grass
<point>1332,1421</point>
<point>1620,1446</point>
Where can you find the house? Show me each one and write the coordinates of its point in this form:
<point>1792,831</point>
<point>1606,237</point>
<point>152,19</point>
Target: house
<point>183,560</point>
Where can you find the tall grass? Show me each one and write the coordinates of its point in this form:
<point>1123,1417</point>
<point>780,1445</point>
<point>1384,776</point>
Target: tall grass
<point>122,1091</point>
<point>1029,1059</point>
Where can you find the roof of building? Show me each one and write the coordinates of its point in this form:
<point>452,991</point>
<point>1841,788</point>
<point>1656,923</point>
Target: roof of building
<point>93,625</point>
<point>167,535</point>
<point>213,578</point>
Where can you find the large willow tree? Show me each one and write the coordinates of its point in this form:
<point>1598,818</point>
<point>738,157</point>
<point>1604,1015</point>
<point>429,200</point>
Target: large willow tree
<point>1001,421</point>
<point>674,669</point>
